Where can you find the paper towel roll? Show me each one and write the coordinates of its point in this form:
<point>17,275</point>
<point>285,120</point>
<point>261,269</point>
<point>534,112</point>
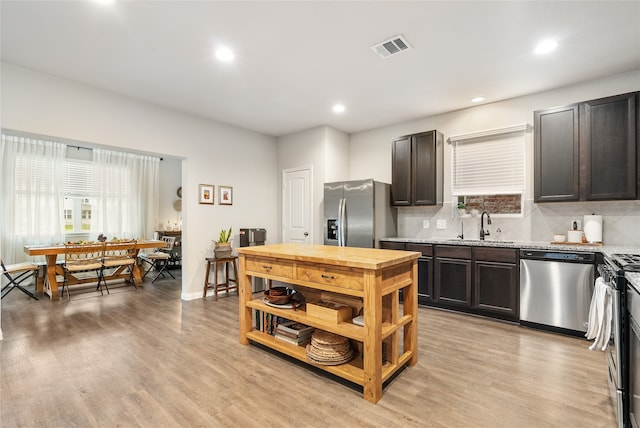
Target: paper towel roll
<point>593,228</point>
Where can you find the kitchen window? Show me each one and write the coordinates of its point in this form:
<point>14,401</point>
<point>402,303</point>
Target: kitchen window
<point>488,170</point>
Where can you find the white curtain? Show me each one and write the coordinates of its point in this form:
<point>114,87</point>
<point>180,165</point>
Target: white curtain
<point>31,186</point>
<point>127,202</point>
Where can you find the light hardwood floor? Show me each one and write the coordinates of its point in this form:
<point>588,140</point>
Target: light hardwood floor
<point>145,358</point>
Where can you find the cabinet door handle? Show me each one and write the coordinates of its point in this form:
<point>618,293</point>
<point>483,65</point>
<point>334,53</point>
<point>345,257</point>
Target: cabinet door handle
<point>328,276</point>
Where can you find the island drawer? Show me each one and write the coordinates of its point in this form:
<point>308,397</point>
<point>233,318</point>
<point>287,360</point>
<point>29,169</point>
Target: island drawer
<point>276,267</point>
<point>329,275</point>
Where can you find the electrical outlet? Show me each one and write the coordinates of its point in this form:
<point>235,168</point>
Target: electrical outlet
<point>442,224</point>
<point>425,224</point>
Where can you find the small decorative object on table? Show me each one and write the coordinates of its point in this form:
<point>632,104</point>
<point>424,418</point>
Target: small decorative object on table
<point>223,244</point>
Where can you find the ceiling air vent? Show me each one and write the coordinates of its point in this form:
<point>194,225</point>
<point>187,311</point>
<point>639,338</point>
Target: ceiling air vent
<point>392,46</point>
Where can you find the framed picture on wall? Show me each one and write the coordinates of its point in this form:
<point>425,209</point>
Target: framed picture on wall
<point>205,193</point>
<point>225,196</point>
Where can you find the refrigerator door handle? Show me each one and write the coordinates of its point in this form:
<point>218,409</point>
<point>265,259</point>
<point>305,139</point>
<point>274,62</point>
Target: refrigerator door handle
<point>341,223</point>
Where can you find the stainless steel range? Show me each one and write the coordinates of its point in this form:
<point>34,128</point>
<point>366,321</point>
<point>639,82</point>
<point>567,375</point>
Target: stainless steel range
<point>628,262</point>
<point>631,374</point>
<point>612,271</point>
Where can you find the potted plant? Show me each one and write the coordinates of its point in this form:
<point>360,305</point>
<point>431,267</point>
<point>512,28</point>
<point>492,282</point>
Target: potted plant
<point>222,246</point>
<point>461,209</point>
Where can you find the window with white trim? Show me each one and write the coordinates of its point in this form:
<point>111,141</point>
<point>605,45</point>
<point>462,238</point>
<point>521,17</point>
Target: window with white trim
<point>488,164</point>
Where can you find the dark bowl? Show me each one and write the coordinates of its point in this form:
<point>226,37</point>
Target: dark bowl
<point>277,298</point>
<point>279,291</point>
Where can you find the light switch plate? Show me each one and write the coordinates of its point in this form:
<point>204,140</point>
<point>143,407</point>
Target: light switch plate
<point>425,224</point>
<point>442,224</point>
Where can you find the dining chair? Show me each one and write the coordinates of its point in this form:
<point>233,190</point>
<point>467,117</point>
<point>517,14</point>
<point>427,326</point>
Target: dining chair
<point>82,258</point>
<point>22,272</point>
<point>162,256</point>
<point>118,255</point>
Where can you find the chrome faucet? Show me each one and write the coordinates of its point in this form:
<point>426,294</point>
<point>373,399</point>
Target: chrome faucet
<point>484,233</point>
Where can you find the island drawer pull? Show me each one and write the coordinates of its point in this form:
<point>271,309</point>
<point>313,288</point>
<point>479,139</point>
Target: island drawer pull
<point>328,276</point>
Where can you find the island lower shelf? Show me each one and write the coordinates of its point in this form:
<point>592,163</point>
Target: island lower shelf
<point>352,371</point>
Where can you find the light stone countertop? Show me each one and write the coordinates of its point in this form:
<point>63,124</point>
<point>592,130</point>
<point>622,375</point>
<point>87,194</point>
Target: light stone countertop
<point>607,250</point>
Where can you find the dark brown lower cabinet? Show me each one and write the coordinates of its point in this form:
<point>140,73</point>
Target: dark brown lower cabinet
<point>481,280</point>
<point>452,282</point>
<point>495,289</point>
<point>425,267</point>
<point>425,272</point>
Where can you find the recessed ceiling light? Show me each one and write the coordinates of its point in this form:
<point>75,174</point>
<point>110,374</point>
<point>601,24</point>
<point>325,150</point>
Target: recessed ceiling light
<point>338,108</point>
<point>225,54</point>
<point>545,46</point>
<point>105,1</point>
<point>477,99</point>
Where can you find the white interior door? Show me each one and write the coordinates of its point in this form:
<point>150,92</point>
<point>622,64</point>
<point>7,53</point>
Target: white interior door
<point>296,205</point>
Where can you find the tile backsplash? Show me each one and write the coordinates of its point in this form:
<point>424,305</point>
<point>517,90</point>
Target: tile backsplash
<point>621,222</point>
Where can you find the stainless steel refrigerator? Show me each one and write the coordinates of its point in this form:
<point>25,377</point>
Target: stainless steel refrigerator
<point>358,213</point>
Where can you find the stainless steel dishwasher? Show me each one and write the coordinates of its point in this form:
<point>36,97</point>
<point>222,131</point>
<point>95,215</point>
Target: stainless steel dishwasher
<point>556,289</point>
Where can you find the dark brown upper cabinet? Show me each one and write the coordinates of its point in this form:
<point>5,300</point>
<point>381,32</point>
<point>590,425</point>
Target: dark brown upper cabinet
<point>609,136</point>
<point>417,170</point>
<point>587,150</point>
<point>556,168</point>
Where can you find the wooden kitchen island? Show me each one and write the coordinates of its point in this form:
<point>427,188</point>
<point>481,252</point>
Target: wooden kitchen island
<point>371,278</point>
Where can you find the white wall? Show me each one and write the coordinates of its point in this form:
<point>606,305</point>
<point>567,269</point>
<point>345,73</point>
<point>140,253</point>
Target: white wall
<point>371,156</point>
<point>212,153</point>
<point>337,157</point>
<point>326,150</point>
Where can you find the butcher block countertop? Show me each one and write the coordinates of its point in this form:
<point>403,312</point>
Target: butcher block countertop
<point>364,258</point>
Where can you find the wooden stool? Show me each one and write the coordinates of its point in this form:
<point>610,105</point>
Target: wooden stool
<point>223,286</point>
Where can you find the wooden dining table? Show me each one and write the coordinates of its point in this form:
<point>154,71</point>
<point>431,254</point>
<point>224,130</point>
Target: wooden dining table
<point>50,285</point>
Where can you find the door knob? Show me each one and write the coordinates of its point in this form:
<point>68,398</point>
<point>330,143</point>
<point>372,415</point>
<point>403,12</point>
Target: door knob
<point>306,234</point>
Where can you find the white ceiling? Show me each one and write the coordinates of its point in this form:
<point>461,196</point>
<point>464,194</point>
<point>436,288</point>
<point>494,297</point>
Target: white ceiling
<point>294,60</point>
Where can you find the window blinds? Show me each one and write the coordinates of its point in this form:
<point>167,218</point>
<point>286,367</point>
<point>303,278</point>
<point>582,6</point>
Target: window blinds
<point>80,179</point>
<point>489,163</point>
